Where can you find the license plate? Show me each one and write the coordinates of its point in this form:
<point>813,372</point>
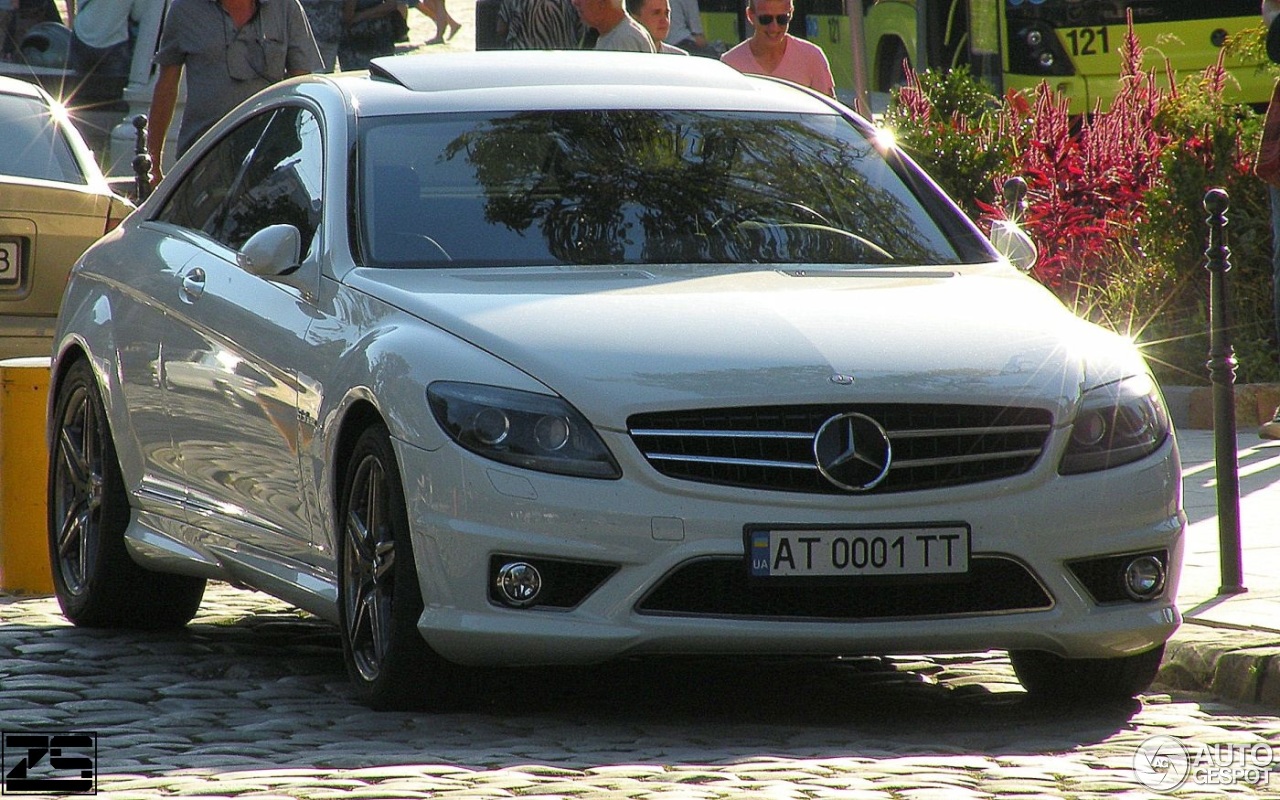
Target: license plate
<point>830,552</point>
<point>10,263</point>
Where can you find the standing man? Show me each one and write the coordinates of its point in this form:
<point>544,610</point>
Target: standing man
<point>101,43</point>
<point>686,28</point>
<point>618,31</point>
<point>773,51</point>
<point>655,16</point>
<point>231,49</point>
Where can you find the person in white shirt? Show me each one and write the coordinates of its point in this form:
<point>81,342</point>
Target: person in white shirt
<point>618,31</point>
<point>101,40</point>
<point>686,29</point>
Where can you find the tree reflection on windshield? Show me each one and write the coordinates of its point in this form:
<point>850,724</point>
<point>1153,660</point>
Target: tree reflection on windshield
<point>646,187</point>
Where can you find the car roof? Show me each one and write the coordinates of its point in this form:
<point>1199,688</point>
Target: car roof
<point>495,80</point>
<point>23,88</point>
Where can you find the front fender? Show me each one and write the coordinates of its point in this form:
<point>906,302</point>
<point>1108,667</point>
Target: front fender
<point>381,370</point>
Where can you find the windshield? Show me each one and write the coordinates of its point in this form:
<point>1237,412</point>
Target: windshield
<point>1074,13</point>
<point>34,145</point>
<point>638,187</point>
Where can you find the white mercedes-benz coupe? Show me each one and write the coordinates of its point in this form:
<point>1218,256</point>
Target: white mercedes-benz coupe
<point>563,357</point>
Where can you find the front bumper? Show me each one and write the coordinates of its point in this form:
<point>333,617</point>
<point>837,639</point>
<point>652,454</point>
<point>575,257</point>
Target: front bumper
<point>463,510</point>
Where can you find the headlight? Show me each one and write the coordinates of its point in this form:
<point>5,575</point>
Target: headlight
<point>534,431</point>
<point>1116,424</point>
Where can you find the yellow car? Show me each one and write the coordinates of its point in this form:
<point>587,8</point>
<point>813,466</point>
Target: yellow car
<point>54,203</point>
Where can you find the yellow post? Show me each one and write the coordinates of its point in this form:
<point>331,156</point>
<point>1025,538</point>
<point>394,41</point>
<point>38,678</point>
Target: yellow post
<point>24,467</point>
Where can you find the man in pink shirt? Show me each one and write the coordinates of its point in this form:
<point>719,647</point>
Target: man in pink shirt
<point>773,51</point>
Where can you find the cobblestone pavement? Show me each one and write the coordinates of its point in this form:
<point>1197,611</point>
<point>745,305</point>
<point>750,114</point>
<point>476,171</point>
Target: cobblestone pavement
<point>251,701</point>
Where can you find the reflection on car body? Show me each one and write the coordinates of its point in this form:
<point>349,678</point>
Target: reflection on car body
<point>644,356</point>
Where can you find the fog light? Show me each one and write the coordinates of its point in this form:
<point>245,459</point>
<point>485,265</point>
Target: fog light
<point>519,584</point>
<point>1144,577</point>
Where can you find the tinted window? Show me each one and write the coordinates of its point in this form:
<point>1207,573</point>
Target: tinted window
<point>265,172</point>
<point>199,202</point>
<point>282,182</point>
<point>33,144</point>
<point>636,187</point>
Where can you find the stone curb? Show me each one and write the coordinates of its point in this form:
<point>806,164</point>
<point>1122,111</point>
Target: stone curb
<point>1233,664</point>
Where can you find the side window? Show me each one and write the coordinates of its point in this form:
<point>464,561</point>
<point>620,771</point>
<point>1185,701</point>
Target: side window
<point>199,201</point>
<point>281,182</point>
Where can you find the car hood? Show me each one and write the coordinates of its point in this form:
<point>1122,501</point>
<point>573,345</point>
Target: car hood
<point>617,342</point>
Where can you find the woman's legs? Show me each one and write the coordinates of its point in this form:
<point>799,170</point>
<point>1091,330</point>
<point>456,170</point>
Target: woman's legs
<point>436,10</point>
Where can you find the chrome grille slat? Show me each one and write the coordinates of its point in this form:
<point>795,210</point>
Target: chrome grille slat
<point>921,434</point>
<point>934,462</point>
<point>808,437</point>
<point>746,462</point>
<point>771,447</point>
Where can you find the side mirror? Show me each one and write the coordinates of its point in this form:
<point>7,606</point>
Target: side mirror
<point>274,250</point>
<point>1014,244</point>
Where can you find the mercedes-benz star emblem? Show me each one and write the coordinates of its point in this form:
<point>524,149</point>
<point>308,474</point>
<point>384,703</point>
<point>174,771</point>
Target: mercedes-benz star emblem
<point>852,451</point>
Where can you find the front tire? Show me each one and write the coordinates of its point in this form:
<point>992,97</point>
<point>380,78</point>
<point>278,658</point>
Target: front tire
<point>97,583</point>
<point>1085,680</point>
<point>379,600</point>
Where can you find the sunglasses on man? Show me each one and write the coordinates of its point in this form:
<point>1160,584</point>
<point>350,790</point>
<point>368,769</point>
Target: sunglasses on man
<point>768,19</point>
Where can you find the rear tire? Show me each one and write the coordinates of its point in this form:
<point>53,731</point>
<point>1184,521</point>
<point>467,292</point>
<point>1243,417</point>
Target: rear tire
<point>379,599</point>
<point>1085,680</point>
<point>97,583</point>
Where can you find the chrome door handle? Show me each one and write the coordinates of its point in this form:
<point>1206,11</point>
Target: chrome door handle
<point>193,284</point>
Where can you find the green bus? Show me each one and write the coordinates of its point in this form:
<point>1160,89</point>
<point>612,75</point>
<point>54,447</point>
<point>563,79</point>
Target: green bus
<point>1015,44</point>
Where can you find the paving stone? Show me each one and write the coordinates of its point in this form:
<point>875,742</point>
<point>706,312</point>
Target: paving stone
<point>259,707</point>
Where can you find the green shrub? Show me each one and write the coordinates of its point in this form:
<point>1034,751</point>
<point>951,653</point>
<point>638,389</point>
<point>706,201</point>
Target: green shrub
<point>951,125</point>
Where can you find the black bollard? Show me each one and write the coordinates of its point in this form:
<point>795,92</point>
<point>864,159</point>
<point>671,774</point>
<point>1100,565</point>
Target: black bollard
<point>141,159</point>
<point>1015,199</point>
<point>1222,373</point>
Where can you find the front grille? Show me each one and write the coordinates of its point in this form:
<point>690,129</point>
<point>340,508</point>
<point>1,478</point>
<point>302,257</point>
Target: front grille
<point>721,587</point>
<point>772,447</point>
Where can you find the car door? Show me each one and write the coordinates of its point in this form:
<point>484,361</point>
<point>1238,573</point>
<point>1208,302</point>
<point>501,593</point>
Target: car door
<point>231,346</point>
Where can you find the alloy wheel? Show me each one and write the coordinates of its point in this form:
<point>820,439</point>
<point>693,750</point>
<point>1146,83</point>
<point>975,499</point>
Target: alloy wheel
<point>369,568</point>
<point>78,489</point>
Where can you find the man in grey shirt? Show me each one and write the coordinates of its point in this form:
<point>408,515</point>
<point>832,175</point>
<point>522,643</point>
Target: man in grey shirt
<point>231,49</point>
<point>618,31</point>
<point>686,28</point>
